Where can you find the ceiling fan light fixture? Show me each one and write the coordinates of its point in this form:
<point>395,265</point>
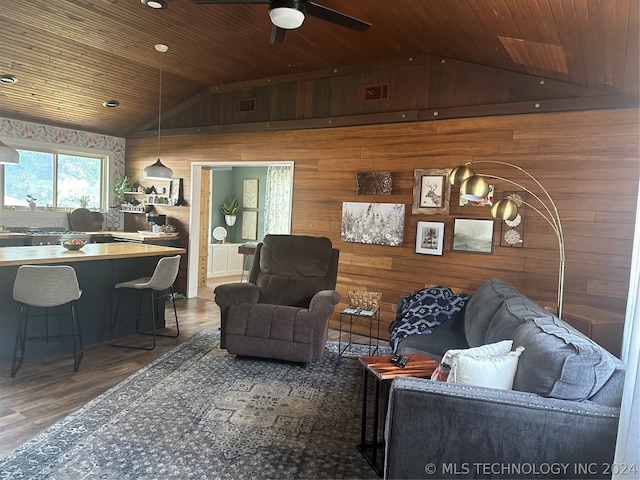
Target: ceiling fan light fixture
<point>287,14</point>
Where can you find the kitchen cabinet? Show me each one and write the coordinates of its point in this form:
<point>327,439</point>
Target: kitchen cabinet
<point>224,260</point>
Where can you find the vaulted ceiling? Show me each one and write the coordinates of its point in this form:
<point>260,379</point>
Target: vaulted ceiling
<point>70,56</point>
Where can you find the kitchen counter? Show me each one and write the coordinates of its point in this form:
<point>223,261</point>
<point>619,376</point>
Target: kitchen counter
<point>6,235</point>
<point>98,266</point>
<point>142,237</point>
<point>52,254</point>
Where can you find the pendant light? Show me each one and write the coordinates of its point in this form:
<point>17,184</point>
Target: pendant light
<point>158,171</point>
<point>8,155</point>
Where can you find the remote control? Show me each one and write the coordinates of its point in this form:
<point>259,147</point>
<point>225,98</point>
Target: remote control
<point>403,362</point>
<point>395,358</point>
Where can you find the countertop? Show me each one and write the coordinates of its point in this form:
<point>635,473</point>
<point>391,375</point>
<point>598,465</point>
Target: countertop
<point>141,237</point>
<point>42,254</point>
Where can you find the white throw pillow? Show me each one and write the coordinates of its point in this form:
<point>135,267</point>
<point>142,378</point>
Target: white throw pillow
<point>492,370</point>
<point>499,348</point>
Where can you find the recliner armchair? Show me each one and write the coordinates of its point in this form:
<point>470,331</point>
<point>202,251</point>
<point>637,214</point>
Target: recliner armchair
<point>283,311</point>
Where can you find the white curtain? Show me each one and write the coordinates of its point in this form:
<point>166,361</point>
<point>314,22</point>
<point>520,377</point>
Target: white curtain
<point>627,457</point>
<point>277,209</point>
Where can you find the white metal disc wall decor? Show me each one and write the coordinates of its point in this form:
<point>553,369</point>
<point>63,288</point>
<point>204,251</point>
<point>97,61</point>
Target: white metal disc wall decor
<point>512,231</point>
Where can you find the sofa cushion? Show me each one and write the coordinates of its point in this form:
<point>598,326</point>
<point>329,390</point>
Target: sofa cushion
<point>493,367</point>
<point>513,313</point>
<point>482,306</point>
<point>560,362</point>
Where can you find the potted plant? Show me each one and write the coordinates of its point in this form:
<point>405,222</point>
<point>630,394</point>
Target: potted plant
<point>120,186</point>
<point>31,200</point>
<point>230,209</point>
<point>84,201</point>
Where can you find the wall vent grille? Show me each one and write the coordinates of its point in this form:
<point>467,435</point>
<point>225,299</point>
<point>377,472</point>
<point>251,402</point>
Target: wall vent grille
<point>243,105</point>
<point>373,92</point>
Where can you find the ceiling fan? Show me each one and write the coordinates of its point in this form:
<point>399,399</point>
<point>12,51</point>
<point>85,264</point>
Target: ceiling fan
<point>289,14</point>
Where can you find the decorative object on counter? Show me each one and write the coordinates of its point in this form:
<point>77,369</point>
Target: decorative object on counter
<point>250,193</point>
<point>230,209</point>
<point>373,183</point>
<point>74,244</point>
<point>431,191</point>
<point>167,228</point>
<point>158,171</point>
<point>31,200</point>
<point>219,233</point>
<point>430,238</point>
<point>84,201</point>
<point>373,223</point>
<point>112,219</point>
<point>175,192</point>
<point>474,185</point>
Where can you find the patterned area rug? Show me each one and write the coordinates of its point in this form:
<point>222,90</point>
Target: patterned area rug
<point>198,412</point>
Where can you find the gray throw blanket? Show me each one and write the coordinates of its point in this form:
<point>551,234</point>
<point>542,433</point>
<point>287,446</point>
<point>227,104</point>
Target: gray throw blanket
<point>424,309</point>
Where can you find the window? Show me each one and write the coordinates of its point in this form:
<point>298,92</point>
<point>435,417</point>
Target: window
<point>57,180</point>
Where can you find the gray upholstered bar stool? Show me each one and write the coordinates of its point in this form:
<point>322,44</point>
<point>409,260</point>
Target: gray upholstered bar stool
<point>159,286</point>
<point>45,287</point>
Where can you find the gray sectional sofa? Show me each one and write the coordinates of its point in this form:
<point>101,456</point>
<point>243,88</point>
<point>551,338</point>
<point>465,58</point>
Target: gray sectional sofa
<point>560,420</point>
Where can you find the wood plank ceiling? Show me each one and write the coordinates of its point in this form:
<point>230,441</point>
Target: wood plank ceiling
<point>70,56</point>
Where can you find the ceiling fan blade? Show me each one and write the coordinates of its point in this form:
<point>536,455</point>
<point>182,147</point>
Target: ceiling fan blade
<point>222,2</point>
<point>333,16</point>
<point>278,34</point>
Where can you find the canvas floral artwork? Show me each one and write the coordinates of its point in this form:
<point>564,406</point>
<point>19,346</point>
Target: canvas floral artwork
<point>374,223</point>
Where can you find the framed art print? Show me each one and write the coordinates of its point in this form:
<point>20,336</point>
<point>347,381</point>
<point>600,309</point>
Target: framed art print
<point>249,225</point>
<point>250,193</point>
<point>472,235</point>
<point>430,238</point>
<point>431,191</point>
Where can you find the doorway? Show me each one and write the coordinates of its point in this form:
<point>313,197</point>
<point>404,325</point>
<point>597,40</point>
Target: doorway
<point>201,213</point>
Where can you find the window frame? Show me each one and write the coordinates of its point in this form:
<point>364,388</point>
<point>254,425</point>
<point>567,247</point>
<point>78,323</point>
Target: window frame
<point>104,156</point>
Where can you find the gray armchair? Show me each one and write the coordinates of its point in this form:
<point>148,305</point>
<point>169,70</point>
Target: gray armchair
<point>283,311</point>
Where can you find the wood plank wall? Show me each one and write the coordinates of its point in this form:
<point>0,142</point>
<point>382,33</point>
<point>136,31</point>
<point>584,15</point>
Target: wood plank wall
<point>588,161</point>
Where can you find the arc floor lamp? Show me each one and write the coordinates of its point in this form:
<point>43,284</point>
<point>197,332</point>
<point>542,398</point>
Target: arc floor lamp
<point>474,186</point>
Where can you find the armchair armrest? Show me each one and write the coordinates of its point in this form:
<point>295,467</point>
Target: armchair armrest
<point>232,293</point>
<point>442,430</point>
<point>323,303</point>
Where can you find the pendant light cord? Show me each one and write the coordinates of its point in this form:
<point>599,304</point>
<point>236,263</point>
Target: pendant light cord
<point>162,49</point>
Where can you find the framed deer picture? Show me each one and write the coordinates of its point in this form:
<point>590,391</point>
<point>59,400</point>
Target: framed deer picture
<point>431,191</point>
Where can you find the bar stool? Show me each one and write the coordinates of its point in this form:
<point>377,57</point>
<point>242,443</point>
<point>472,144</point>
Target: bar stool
<point>157,285</point>
<point>45,287</point>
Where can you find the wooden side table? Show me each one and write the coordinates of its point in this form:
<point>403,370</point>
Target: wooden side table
<point>602,326</point>
<point>383,372</point>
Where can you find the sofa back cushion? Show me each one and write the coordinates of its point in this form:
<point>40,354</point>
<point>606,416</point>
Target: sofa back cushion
<point>482,306</point>
<point>512,313</point>
<point>560,362</point>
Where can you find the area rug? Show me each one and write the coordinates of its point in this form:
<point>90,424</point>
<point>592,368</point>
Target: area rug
<point>198,412</point>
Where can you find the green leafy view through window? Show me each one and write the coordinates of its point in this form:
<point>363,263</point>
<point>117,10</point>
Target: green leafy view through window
<point>55,179</point>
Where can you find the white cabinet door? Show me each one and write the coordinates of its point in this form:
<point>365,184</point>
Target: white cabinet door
<point>224,260</point>
<point>219,266</point>
<point>234,260</point>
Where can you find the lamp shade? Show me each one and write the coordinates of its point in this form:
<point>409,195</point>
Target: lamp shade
<point>504,209</point>
<point>460,174</point>
<point>8,155</point>
<point>158,171</point>
<point>287,14</point>
<point>474,188</point>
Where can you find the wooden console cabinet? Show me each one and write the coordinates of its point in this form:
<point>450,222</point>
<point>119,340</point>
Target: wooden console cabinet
<point>602,326</point>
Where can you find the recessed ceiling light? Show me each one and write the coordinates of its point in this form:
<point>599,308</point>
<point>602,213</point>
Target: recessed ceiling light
<point>110,103</point>
<point>157,4</point>
<point>8,79</point>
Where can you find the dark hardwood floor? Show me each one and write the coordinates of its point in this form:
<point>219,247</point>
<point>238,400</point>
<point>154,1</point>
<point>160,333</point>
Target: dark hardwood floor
<point>46,389</point>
